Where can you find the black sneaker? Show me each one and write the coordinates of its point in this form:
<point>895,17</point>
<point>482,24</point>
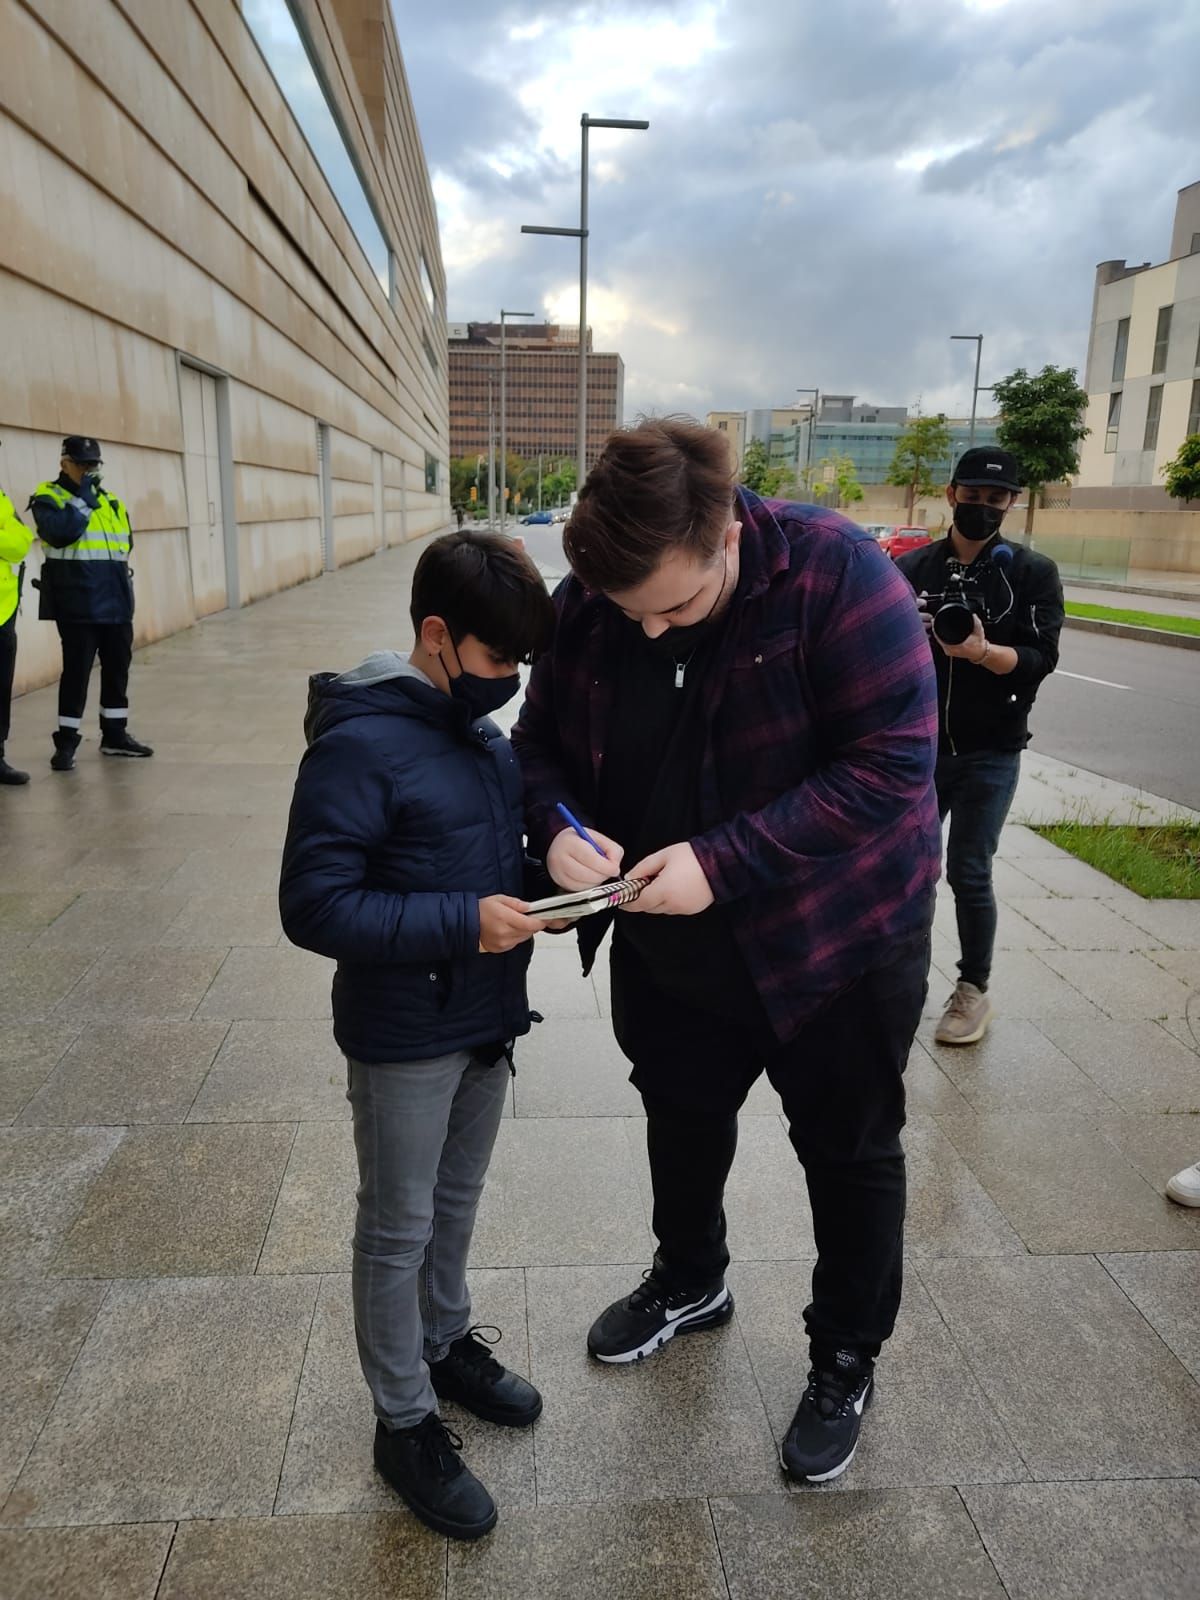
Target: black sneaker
<point>117,740</point>
<point>644,1321</point>
<point>423,1466</point>
<point>10,775</point>
<point>470,1375</point>
<point>823,1437</point>
<point>66,742</point>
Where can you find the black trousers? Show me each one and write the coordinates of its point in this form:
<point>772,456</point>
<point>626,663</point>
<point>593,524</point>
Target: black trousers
<point>8,666</point>
<point>81,642</point>
<point>842,1086</point>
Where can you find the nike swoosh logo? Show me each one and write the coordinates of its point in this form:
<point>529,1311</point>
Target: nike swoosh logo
<point>673,1316</point>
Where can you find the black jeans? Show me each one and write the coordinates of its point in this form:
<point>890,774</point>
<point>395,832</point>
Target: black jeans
<point>841,1081</point>
<point>8,666</point>
<point>81,641</point>
<point>976,790</point>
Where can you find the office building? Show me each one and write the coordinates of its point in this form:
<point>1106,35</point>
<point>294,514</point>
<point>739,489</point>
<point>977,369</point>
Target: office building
<point>220,257</point>
<point>1143,371</point>
<point>541,387</point>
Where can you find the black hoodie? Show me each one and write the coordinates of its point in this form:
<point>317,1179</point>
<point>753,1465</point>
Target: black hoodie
<point>978,709</point>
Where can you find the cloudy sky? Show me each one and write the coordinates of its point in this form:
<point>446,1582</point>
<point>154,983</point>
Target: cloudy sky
<point>828,188</point>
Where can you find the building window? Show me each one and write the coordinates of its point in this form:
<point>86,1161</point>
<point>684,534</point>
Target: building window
<point>1193,423</point>
<point>294,70</point>
<point>430,354</point>
<point>1162,338</point>
<point>427,288</point>
<point>1114,422</point>
<point>1153,412</point>
<point>723,426</point>
<point>431,473</point>
<point>1198,350</point>
<point>1120,350</point>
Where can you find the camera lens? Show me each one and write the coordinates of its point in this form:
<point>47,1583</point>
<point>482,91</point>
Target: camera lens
<point>953,622</point>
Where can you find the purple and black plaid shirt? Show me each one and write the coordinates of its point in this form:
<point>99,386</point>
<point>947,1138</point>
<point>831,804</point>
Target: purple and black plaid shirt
<point>820,828</point>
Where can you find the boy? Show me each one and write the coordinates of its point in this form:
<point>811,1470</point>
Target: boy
<point>404,862</point>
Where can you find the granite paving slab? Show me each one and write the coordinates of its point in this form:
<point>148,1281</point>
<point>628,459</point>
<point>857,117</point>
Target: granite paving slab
<point>118,1073</point>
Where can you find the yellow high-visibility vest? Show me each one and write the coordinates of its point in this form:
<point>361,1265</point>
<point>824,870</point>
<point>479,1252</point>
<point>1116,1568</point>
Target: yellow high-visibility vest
<point>107,537</point>
<point>15,540</point>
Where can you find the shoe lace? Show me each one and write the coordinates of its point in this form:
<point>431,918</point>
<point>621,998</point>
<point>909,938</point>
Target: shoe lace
<point>959,1003</point>
<point>440,1446</point>
<point>830,1395</point>
<point>474,1349</point>
<point>651,1292</point>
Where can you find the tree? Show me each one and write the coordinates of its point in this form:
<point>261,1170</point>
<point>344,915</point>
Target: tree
<point>558,486</point>
<point>924,443</point>
<point>1041,422</point>
<point>1183,473</point>
<point>462,479</point>
<point>760,476</point>
<point>837,477</point>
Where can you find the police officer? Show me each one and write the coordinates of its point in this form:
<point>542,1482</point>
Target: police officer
<point>986,688</point>
<point>15,539</point>
<point>87,589</point>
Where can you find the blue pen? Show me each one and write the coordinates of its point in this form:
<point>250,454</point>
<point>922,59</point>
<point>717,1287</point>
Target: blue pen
<point>575,823</point>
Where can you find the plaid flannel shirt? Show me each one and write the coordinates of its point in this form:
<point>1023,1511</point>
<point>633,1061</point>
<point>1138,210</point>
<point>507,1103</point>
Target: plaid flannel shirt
<point>820,829</point>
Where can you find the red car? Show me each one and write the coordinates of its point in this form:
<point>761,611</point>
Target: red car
<point>899,541</point>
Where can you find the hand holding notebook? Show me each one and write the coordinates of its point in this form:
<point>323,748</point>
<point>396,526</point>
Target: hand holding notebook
<point>587,902</point>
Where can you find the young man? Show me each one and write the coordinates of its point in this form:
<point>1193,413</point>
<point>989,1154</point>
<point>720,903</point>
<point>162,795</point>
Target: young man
<point>740,702</point>
<point>87,589</point>
<point>15,540</point>
<point>986,687</point>
<point>404,862</point>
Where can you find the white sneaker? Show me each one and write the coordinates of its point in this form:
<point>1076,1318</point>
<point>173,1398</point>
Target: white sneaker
<point>1184,1187</point>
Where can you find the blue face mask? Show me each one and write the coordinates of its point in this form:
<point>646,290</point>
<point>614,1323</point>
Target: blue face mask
<point>481,696</point>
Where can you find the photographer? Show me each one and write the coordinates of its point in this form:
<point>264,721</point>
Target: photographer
<point>993,614</point>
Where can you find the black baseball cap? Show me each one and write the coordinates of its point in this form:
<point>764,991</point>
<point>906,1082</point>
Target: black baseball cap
<point>987,466</point>
<point>78,448</point>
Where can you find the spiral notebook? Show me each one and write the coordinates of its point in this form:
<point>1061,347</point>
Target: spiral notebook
<point>586,902</point>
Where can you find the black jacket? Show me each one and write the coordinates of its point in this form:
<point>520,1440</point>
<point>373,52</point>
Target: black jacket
<point>978,709</point>
<point>98,592</point>
<point>405,815</point>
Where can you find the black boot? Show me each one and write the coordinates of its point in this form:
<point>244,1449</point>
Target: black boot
<point>66,742</point>
<point>424,1467</point>
<point>470,1375</point>
<point>116,739</point>
<point>10,775</point>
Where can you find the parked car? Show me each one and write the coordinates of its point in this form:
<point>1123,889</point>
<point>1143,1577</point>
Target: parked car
<point>537,516</point>
<point>876,529</point>
<point>898,541</point>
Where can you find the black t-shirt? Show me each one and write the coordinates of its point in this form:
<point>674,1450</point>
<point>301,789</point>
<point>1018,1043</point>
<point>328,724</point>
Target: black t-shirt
<point>649,798</point>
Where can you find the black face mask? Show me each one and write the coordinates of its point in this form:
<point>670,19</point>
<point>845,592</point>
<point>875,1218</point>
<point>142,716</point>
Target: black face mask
<point>676,643</point>
<point>481,696</point>
<point>976,521</point>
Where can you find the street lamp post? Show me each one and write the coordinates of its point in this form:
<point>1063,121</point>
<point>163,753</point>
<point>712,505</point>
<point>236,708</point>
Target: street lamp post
<point>586,122</point>
<point>503,422</point>
<point>812,423</point>
<point>977,340</point>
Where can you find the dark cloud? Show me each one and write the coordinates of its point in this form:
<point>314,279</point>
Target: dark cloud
<point>830,191</point>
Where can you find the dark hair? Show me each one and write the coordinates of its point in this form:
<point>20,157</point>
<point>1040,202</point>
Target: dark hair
<point>665,484</point>
<point>483,584</point>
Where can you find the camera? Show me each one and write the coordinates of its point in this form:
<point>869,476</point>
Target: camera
<point>962,600</point>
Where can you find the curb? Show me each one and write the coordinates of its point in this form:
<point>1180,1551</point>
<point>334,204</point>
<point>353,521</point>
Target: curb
<point>1134,588</point>
<point>1126,630</point>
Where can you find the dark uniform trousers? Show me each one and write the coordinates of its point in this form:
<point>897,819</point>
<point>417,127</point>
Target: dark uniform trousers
<point>81,642</point>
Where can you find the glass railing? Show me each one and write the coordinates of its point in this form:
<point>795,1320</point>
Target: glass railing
<point>1104,559</point>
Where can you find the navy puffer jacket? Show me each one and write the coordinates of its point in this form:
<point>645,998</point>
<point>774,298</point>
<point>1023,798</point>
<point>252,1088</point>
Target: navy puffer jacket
<point>405,815</point>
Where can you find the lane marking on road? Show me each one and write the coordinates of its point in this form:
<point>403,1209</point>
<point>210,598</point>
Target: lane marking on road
<point>1103,682</point>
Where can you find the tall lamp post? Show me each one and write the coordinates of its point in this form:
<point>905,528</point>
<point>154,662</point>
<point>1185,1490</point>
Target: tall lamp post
<point>586,122</point>
<point>812,423</point>
<point>503,424</point>
<point>977,340</point>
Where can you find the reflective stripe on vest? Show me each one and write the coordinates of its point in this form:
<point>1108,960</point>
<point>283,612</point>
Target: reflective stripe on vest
<point>106,537</point>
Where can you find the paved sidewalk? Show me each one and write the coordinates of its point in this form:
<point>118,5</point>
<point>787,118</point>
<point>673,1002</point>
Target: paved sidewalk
<point>183,1412</point>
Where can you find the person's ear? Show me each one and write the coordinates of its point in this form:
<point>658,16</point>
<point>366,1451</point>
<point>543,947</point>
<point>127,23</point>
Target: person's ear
<point>433,635</point>
<point>733,536</point>
<point>950,494</point>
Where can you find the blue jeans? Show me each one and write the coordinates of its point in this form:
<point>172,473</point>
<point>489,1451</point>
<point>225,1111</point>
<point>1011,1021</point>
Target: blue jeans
<point>976,791</point>
<point>424,1132</point>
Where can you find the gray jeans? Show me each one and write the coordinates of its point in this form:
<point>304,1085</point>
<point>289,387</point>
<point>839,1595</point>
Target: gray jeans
<point>423,1132</point>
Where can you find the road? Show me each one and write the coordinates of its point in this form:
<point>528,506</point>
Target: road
<point>1127,710</point>
<point>1124,709</point>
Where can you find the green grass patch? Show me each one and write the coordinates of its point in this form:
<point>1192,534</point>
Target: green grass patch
<point>1161,863</point>
<point>1135,619</point>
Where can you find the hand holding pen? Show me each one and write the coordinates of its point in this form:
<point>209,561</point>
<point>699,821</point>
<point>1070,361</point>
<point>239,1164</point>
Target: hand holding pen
<point>580,858</point>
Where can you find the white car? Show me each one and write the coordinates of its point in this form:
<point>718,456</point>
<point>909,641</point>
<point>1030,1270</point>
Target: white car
<point>876,529</point>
